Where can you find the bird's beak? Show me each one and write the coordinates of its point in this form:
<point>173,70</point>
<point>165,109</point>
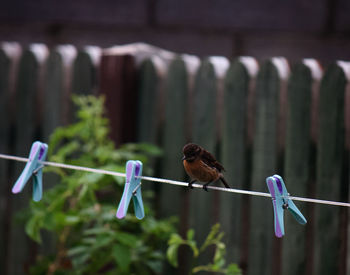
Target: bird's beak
<point>183,158</point>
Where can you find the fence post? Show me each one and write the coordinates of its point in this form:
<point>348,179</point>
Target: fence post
<point>234,152</point>
<point>265,163</point>
<point>26,130</point>
<point>298,173</point>
<point>331,183</point>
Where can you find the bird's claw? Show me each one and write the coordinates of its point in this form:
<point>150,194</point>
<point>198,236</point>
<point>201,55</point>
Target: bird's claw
<point>205,188</point>
<point>190,185</point>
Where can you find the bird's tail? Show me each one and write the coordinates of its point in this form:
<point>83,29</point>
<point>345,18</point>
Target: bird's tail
<point>224,181</point>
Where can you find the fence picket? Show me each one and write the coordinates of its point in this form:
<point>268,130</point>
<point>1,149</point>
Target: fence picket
<point>330,170</point>
<point>118,84</point>
<point>147,102</point>
<point>85,65</point>
<point>234,151</point>
<point>297,165</point>
<point>6,68</point>
<point>264,164</point>
<point>203,111</point>
<point>26,124</point>
<point>174,130</point>
<point>54,94</point>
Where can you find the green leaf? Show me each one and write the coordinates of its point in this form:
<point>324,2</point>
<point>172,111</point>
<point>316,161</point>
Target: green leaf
<point>89,240</point>
<point>207,268</point>
<point>194,248</point>
<point>190,234</point>
<point>220,253</point>
<point>72,220</point>
<point>212,237</point>
<point>96,231</point>
<point>155,266</point>
<point>172,254</point>
<point>122,256</point>
<point>126,239</point>
<point>103,240</point>
<point>76,250</point>
<point>81,260</point>
<point>175,239</point>
<point>32,228</point>
<point>91,178</point>
<point>59,219</point>
<point>233,269</point>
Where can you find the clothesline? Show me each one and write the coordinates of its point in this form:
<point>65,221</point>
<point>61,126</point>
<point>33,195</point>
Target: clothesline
<point>173,182</point>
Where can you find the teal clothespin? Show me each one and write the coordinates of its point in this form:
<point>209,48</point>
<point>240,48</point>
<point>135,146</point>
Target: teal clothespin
<point>281,202</point>
<point>33,168</point>
<point>132,189</point>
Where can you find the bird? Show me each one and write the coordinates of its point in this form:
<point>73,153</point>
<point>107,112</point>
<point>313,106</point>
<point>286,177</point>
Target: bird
<point>201,166</point>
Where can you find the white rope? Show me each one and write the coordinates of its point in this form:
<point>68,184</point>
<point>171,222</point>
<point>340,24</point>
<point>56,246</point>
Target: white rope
<point>174,182</point>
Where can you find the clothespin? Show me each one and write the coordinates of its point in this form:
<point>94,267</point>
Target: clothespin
<point>281,202</point>
<point>33,168</point>
<point>132,189</point>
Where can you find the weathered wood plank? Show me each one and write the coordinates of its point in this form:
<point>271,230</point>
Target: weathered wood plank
<point>84,80</point>
<point>174,136</point>
<point>297,165</point>
<point>56,90</point>
<point>55,102</point>
<point>8,54</point>
<point>234,150</point>
<point>203,113</point>
<point>81,79</point>
<point>118,83</point>
<point>147,83</point>
<point>330,169</point>
<point>26,131</point>
<point>4,141</point>
<point>264,161</point>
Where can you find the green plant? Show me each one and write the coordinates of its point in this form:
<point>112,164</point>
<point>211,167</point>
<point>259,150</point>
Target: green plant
<point>213,239</point>
<point>79,211</point>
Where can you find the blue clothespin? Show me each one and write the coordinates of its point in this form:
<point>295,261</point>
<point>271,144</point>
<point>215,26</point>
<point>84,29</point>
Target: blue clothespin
<point>33,168</point>
<point>132,189</point>
<point>281,202</point>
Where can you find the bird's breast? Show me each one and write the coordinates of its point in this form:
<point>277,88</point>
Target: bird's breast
<point>200,171</point>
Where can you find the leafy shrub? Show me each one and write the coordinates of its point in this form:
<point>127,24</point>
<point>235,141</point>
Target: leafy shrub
<point>79,211</point>
<point>213,239</point>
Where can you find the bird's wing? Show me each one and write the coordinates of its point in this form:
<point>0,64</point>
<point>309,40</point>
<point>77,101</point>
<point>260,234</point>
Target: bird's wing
<point>209,159</point>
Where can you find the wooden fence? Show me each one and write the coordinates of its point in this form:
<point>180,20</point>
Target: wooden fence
<point>259,118</point>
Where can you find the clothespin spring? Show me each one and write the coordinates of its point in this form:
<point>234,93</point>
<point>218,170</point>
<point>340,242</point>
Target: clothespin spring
<point>37,169</point>
<point>136,188</point>
<point>285,205</point>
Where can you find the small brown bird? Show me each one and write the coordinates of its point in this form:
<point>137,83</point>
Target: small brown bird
<point>201,166</point>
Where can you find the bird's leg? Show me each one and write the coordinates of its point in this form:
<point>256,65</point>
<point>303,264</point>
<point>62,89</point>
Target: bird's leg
<point>224,182</point>
<point>205,186</point>
<point>190,183</point>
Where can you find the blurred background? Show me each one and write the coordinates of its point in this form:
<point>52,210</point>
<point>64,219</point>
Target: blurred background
<point>294,29</point>
<point>264,86</point>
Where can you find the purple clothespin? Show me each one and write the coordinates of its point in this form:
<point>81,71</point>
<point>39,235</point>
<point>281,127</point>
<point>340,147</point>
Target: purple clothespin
<point>33,169</point>
<point>281,202</point>
<point>132,189</point>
